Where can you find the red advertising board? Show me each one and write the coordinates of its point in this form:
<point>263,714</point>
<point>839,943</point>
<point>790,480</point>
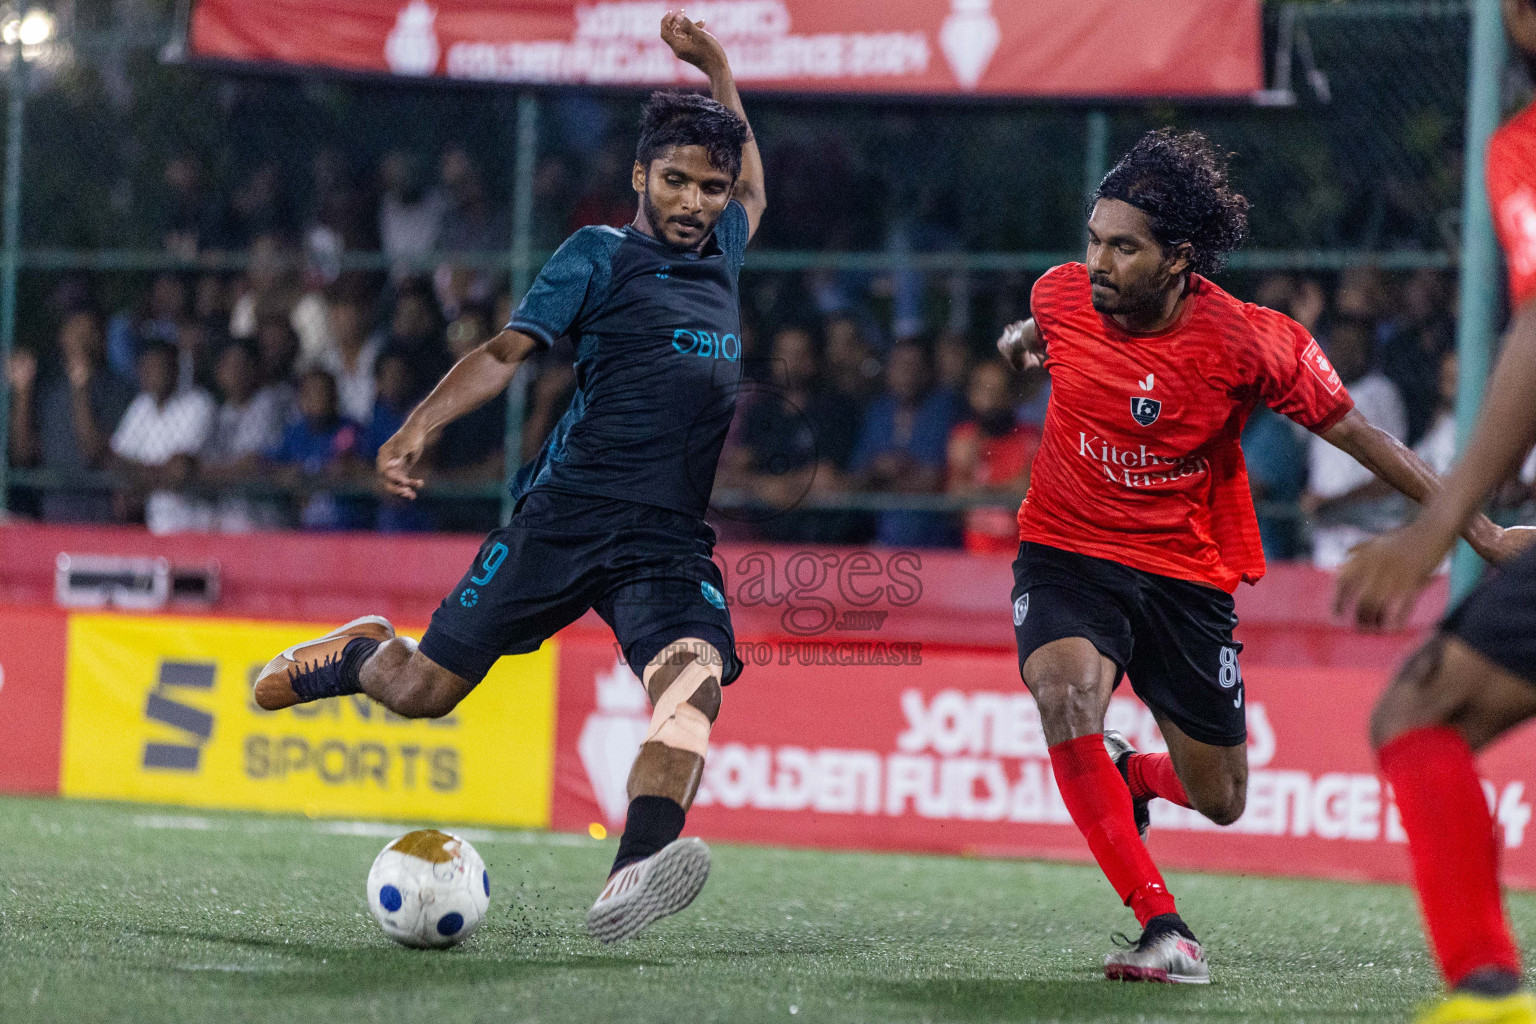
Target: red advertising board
<point>881,747</point>
<point>32,647</point>
<point>1057,48</point>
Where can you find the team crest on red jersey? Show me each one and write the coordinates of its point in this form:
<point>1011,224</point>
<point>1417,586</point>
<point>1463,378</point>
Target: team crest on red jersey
<point>1145,410</point>
<point>1322,368</point>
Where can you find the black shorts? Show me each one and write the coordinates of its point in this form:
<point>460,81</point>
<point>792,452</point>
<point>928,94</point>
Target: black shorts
<point>646,570</point>
<point>1498,619</point>
<point>1173,638</point>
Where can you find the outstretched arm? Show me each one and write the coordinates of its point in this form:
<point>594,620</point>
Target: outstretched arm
<point>692,44</point>
<point>1395,464</point>
<point>474,380</point>
<point>1384,578</point>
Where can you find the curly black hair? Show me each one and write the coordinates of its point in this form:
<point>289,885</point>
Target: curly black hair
<point>688,119</point>
<point>1179,181</point>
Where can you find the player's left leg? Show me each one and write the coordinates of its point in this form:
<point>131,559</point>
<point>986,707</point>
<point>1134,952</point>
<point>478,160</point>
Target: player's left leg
<point>655,873</point>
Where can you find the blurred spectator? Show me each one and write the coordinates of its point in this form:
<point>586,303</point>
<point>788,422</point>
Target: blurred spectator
<point>277,351</point>
<point>1348,504</point>
<point>606,196</point>
<point>952,363</point>
<point>797,436</point>
<point>195,357</point>
<point>273,287</point>
<point>416,330</point>
<point>991,454</point>
<point>338,203</point>
<point>320,447</point>
<point>902,446</point>
<point>1308,304</point>
<point>159,438</point>
<point>211,303</point>
<point>397,394</point>
<point>247,424</point>
<point>351,359</point>
<point>410,213</point>
<point>1413,344</point>
<point>851,363</point>
<point>470,449</point>
<point>256,208</point>
<point>470,224</point>
<point>158,320</point>
<point>67,429</point>
<point>187,223</point>
<point>1275,450</point>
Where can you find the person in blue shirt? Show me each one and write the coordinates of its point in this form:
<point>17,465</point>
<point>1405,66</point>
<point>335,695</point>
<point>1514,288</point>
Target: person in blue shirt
<point>902,448</point>
<point>395,392</point>
<point>610,515</point>
<point>320,445</point>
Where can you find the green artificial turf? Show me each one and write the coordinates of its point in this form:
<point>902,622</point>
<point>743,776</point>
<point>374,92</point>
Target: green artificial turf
<point>122,912</point>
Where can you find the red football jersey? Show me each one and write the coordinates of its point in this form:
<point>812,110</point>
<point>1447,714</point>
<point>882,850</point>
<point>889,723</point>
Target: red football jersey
<point>1512,197</point>
<point>1140,463</point>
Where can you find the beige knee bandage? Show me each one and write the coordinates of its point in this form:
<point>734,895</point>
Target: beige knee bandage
<point>685,689</point>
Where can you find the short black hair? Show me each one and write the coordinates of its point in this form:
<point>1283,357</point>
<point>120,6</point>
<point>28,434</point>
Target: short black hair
<point>688,119</point>
<point>1179,180</point>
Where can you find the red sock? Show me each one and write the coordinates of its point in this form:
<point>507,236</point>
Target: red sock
<point>1096,798</point>
<point>1453,845</point>
<point>1153,775</point>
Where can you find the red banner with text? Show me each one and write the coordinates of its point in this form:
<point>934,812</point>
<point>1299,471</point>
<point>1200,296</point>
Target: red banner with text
<point>1045,48</point>
<point>902,747</point>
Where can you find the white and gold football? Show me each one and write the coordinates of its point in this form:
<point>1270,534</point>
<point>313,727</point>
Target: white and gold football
<point>429,890</point>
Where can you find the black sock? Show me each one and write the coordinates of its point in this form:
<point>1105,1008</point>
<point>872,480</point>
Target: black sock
<point>352,657</point>
<point>652,822</point>
<point>1164,923</point>
<point>1493,982</point>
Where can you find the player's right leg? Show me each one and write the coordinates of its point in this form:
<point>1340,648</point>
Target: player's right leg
<point>1471,683</point>
<point>1073,635</point>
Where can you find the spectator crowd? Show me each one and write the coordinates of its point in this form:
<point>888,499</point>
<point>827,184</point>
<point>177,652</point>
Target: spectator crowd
<point>258,400</point>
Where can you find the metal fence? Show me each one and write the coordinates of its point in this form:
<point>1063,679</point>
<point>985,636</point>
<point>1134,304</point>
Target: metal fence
<point>125,163</point>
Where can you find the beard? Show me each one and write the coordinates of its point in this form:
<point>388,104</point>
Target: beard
<point>1144,298</point>
<point>654,218</point>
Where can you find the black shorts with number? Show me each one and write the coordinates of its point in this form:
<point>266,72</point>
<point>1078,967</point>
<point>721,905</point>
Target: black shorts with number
<point>646,570</point>
<point>1173,638</point>
<point>1498,619</point>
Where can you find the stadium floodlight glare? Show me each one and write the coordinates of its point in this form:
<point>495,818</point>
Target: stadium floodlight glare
<point>36,27</point>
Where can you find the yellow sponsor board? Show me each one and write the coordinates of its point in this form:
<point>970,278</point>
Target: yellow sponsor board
<point>159,708</point>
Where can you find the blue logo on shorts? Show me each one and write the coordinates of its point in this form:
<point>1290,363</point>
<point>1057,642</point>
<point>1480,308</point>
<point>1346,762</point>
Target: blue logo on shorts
<point>712,594</point>
<point>469,597</point>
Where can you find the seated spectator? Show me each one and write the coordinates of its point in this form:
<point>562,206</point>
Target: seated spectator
<point>851,362</point>
<point>797,436</point>
<point>274,287</point>
<point>953,361</point>
<point>1413,344</point>
<point>472,448</point>
<point>159,439</point>
<point>318,447</point>
<point>247,424</point>
<point>186,219</point>
<point>351,360</point>
<point>397,395</point>
<point>195,355</point>
<point>416,331</point>
<point>1346,501</point>
<point>990,455</point>
<point>157,320</point>
<point>65,427</point>
<point>410,214</point>
<point>902,446</point>
<point>1275,450</point>
<point>1438,445</point>
<point>277,352</point>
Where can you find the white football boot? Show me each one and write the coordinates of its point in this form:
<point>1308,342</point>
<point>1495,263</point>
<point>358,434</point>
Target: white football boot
<point>1162,954</point>
<point>642,892</point>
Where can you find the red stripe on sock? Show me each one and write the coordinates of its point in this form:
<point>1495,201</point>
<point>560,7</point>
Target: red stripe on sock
<point>1454,848</point>
<point>1100,806</point>
<point>1152,775</point>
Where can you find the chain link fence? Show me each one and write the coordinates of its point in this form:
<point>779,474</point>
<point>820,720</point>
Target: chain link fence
<point>331,243</point>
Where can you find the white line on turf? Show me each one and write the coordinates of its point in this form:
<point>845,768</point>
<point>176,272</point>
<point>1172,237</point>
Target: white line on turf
<point>373,829</point>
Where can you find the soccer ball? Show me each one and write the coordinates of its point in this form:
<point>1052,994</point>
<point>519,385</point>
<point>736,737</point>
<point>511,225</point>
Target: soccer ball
<point>429,890</point>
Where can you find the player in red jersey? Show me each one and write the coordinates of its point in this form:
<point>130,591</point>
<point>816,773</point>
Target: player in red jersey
<point>1476,678</point>
<point>1139,523</point>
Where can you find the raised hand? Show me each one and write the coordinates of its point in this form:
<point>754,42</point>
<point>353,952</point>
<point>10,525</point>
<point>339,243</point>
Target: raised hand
<point>1020,345</point>
<point>691,43</point>
<point>396,460</point>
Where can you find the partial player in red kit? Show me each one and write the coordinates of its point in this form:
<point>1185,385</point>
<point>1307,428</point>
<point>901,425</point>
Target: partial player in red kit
<point>1476,678</point>
<point>1139,523</point>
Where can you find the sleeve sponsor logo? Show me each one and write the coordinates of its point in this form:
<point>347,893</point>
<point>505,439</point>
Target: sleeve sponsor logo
<point>1517,223</point>
<point>1321,368</point>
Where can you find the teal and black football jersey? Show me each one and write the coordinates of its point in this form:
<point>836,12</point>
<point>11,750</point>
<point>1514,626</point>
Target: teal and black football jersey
<point>658,363</point>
